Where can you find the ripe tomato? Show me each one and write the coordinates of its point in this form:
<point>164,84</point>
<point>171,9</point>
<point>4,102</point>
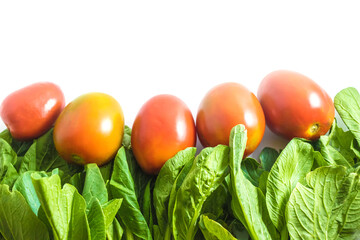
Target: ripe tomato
<point>295,106</point>
<point>90,129</point>
<point>31,111</point>
<point>163,126</point>
<point>225,106</point>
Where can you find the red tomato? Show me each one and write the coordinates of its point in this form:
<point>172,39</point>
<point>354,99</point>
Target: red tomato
<point>31,111</point>
<point>295,106</point>
<point>163,126</point>
<point>90,129</point>
<point>224,107</point>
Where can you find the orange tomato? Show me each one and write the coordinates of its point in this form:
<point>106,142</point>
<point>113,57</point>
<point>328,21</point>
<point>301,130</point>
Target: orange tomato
<point>90,129</point>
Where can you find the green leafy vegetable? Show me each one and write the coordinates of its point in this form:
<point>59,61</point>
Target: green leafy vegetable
<point>252,170</point>
<point>268,157</point>
<point>291,167</point>
<point>17,220</point>
<point>164,184</point>
<point>248,201</point>
<point>8,161</point>
<point>63,208</point>
<point>212,230</point>
<point>207,173</point>
<point>327,207</point>
<point>347,104</point>
<point>122,186</point>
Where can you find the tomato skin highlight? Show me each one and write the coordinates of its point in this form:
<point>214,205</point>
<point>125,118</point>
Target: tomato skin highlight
<point>295,106</point>
<point>90,129</point>
<point>163,126</point>
<point>31,111</point>
<point>225,106</point>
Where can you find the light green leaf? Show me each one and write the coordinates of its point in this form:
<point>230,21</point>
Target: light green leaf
<point>207,173</point>
<point>291,167</point>
<point>164,184</point>
<point>248,201</point>
<point>96,220</point>
<point>328,208</point>
<point>213,230</point>
<point>63,208</point>
<point>347,104</point>
<point>17,221</point>
<point>114,231</point>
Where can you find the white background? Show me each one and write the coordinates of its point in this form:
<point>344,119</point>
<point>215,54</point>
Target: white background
<point>134,50</point>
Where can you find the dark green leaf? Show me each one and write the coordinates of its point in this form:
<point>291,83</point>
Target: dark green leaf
<point>8,159</point>
<point>268,157</point>
<point>252,170</point>
<point>94,186</point>
<point>126,142</point>
<point>122,186</point>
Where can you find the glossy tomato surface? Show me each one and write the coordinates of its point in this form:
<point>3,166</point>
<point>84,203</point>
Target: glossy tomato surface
<point>90,129</point>
<point>225,106</point>
<point>295,106</point>
<point>31,111</point>
<point>163,126</point>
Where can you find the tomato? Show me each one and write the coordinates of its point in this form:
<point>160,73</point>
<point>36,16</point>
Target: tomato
<point>224,107</point>
<point>163,126</point>
<point>31,111</point>
<point>90,129</point>
<point>295,106</point>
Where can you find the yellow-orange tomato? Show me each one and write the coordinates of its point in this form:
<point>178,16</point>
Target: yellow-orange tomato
<point>225,106</point>
<point>295,106</point>
<point>90,129</point>
<point>163,126</point>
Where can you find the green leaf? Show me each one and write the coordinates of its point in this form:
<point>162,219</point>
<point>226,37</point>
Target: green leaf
<point>207,173</point>
<point>268,157</point>
<point>20,147</point>
<point>347,104</point>
<point>328,207</point>
<point>126,142</point>
<point>212,230</point>
<point>217,202</point>
<point>25,186</point>
<point>248,202</point>
<point>164,184</point>
<point>17,221</point>
<point>291,167</point>
<point>42,156</point>
<point>63,208</point>
<point>122,186</point>
<point>8,159</point>
<point>94,185</point>
<point>146,207</point>
<point>252,170</point>
<point>114,231</point>
<point>96,220</point>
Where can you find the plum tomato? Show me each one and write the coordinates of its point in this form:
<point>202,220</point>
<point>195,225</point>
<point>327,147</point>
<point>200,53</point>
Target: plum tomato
<point>295,106</point>
<point>31,111</point>
<point>225,106</point>
<point>163,126</point>
<point>90,129</point>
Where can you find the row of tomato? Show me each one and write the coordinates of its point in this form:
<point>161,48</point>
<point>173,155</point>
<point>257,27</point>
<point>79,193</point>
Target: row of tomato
<point>90,128</point>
